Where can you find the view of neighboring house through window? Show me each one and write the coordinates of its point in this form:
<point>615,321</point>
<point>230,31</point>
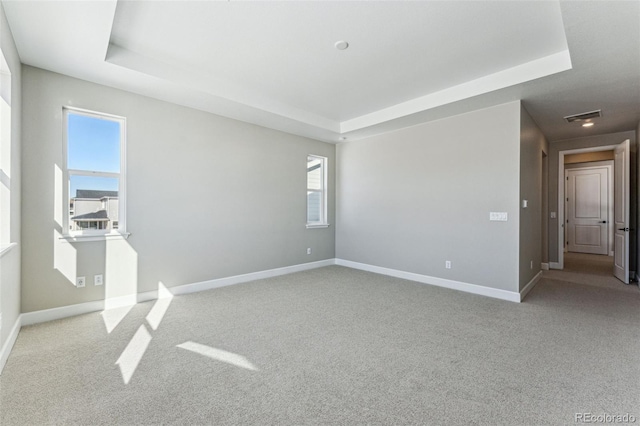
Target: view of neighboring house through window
<point>316,191</point>
<point>95,143</point>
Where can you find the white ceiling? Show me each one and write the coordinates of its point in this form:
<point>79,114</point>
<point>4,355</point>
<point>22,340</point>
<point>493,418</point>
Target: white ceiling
<point>275,64</point>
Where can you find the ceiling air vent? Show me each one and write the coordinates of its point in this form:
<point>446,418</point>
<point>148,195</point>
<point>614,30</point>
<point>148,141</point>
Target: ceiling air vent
<point>584,116</point>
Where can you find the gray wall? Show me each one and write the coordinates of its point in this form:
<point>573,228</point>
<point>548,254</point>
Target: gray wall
<point>413,198</point>
<point>533,145</point>
<point>633,211</point>
<point>207,197</point>
<point>568,144</point>
<point>10,263</point>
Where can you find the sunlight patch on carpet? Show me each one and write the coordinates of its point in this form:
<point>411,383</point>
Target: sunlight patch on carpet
<point>133,353</point>
<point>155,315</point>
<point>218,355</point>
<point>113,317</point>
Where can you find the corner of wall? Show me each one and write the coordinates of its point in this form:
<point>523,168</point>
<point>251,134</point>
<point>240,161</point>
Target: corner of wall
<point>533,144</point>
<point>10,261</point>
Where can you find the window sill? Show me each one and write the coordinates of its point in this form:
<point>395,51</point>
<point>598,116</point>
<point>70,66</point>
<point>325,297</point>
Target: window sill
<point>6,248</point>
<point>317,225</point>
<point>95,237</point>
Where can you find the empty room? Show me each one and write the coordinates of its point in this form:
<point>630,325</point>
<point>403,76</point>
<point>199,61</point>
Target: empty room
<point>319,212</point>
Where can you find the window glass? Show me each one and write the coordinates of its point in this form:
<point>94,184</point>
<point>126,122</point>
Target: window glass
<point>90,183</point>
<point>94,144</point>
<point>5,152</point>
<point>316,204</point>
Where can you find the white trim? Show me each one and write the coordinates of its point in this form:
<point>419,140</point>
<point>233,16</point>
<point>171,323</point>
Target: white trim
<point>561,196</point>
<point>527,288</point>
<point>11,340</point>
<point>324,165</point>
<point>544,266</point>
<point>522,73</point>
<point>45,315</point>
<point>594,165</point>
<point>79,238</point>
<point>554,265</point>
<point>99,305</point>
<point>511,296</point>
<point>91,173</point>
<point>61,312</point>
<point>7,248</point>
<point>67,173</point>
<point>320,225</point>
<point>223,282</point>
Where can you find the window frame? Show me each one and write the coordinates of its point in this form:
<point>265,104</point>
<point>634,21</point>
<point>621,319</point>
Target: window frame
<point>6,148</point>
<point>323,222</point>
<point>93,234</point>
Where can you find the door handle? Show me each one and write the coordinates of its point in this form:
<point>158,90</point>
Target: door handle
<point>603,221</point>
<point>623,229</point>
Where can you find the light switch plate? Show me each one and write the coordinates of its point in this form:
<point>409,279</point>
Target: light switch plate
<point>498,216</point>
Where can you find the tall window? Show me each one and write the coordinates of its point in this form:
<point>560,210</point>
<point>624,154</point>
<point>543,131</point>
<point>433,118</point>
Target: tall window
<point>94,167</point>
<point>316,191</point>
<point>5,153</point>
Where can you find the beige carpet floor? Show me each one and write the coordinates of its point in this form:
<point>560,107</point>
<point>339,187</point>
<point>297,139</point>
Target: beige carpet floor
<point>335,346</point>
<point>590,269</point>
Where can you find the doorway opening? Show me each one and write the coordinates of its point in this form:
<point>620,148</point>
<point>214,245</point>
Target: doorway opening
<point>591,233</point>
<point>589,206</point>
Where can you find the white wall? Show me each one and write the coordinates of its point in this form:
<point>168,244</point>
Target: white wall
<point>411,199</point>
<point>532,146</point>
<point>10,262</point>
<point>207,197</point>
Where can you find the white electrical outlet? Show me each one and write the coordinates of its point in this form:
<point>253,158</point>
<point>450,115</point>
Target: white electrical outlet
<point>98,279</point>
<point>80,281</point>
<point>447,264</point>
<point>309,250</point>
<point>553,215</point>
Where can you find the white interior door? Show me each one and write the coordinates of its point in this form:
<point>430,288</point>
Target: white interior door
<point>621,198</point>
<point>588,210</point>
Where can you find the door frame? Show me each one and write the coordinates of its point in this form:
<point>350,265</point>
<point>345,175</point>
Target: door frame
<point>561,196</point>
<point>609,165</point>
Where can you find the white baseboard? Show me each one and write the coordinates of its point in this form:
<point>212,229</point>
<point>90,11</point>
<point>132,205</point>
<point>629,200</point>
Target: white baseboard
<point>116,302</point>
<point>62,312</point>
<point>8,345</point>
<point>527,288</point>
<point>223,282</point>
<point>554,265</point>
<point>511,296</point>
<point>83,308</point>
<point>544,266</point>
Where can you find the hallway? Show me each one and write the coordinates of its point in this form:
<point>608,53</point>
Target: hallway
<point>590,269</point>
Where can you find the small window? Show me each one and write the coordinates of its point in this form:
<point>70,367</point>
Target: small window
<point>316,191</point>
<point>94,169</point>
